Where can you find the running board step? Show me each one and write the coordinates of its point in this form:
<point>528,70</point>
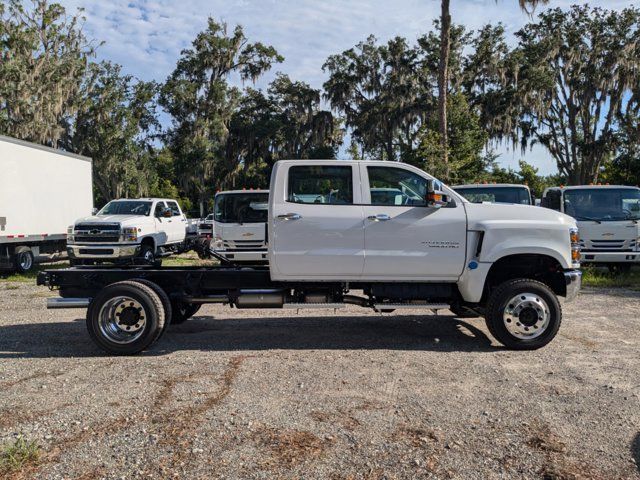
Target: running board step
<point>413,306</point>
<point>313,305</point>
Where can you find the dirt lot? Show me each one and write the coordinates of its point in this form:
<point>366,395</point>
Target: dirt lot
<point>272,394</point>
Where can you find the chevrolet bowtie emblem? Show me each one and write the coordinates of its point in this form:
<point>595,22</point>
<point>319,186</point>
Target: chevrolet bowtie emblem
<point>607,234</point>
<point>247,234</point>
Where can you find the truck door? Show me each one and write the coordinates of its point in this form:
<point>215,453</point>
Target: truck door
<point>405,239</point>
<point>317,224</point>
<point>177,223</point>
<point>162,224</point>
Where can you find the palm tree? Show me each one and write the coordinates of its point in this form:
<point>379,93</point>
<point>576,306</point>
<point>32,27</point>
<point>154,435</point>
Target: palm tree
<point>527,6</point>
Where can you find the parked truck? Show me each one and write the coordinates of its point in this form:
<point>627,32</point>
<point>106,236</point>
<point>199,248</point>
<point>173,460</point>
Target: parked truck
<point>607,216</point>
<point>42,190</point>
<point>331,244</point>
<point>129,230</point>
<point>240,227</point>
<point>496,193</point>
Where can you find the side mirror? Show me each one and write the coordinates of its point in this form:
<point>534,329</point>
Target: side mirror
<point>435,198</point>
<point>166,213</point>
<point>94,211</point>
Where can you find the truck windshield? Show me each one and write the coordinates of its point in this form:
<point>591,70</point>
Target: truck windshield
<point>126,207</point>
<point>492,194</point>
<point>603,204</point>
<point>241,207</point>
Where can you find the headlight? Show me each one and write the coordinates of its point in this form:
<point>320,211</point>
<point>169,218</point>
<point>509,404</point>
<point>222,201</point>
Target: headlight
<point>574,238</point>
<point>70,234</point>
<point>130,234</point>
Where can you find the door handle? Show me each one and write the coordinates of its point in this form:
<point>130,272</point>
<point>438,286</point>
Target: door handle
<point>290,216</point>
<point>380,217</point>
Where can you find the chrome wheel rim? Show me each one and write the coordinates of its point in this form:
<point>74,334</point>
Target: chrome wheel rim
<point>122,320</point>
<point>26,262</point>
<point>526,316</point>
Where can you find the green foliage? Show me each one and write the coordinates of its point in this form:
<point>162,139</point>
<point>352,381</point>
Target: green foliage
<point>43,58</point>
<point>17,455</point>
<point>466,140</point>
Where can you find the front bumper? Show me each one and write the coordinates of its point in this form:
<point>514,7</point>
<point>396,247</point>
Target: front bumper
<point>610,257</point>
<point>573,281</point>
<point>102,252</point>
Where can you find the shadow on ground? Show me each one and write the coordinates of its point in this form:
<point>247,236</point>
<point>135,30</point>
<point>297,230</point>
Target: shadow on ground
<point>407,332</point>
<point>635,450</point>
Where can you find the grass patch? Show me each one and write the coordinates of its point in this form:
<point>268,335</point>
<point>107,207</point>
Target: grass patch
<point>601,277</point>
<point>18,455</point>
<point>30,276</point>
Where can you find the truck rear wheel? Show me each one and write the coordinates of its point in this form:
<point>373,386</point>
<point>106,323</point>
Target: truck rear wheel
<point>183,312</point>
<point>523,314</point>
<point>164,298</point>
<point>126,317</point>
<point>23,259</point>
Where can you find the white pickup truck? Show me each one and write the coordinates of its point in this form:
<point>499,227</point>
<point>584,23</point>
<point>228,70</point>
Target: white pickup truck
<point>128,230</point>
<point>332,244</point>
<point>607,216</point>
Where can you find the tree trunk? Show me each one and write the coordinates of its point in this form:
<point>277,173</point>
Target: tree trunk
<point>443,83</point>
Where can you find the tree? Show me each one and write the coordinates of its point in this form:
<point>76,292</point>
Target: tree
<point>443,72</point>
<point>115,126</point>
<point>382,92</point>
<point>201,102</point>
<point>575,74</point>
<point>43,58</point>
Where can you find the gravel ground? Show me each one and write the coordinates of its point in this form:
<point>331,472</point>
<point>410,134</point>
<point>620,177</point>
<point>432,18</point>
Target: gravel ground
<point>272,394</point>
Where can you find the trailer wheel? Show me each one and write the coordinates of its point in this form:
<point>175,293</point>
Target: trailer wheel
<point>164,298</point>
<point>23,259</point>
<point>183,312</point>
<point>126,317</point>
<point>523,314</point>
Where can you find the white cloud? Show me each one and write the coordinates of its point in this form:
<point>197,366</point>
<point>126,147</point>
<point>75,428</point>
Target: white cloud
<point>146,36</point>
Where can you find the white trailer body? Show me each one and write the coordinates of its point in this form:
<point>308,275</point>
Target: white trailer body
<point>42,192</point>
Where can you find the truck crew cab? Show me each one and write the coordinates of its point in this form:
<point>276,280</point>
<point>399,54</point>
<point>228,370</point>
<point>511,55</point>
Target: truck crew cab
<point>607,216</point>
<point>332,243</point>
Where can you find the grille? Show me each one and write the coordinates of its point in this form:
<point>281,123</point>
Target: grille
<point>240,245</point>
<point>608,245</point>
<point>97,233</point>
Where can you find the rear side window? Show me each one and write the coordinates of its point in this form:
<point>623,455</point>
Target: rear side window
<point>175,209</point>
<point>330,185</point>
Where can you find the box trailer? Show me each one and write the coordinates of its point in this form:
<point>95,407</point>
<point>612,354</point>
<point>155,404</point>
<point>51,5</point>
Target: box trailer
<point>42,192</point>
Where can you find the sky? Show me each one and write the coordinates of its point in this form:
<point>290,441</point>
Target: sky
<point>146,36</point>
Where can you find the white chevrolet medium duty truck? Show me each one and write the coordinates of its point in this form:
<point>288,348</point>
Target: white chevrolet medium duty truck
<point>331,243</point>
<point>608,217</point>
<point>128,230</point>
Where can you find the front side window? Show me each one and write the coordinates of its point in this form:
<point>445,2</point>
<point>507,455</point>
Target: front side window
<point>160,207</point>
<point>396,186</point>
<point>126,207</point>
<point>241,207</point>
<point>603,204</point>
<point>331,185</point>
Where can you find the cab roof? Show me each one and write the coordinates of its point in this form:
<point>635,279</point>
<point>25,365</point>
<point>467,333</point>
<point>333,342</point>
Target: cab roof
<point>491,185</point>
<point>236,192</point>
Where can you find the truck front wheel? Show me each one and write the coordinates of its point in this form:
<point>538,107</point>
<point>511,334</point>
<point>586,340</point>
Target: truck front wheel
<point>523,314</point>
<point>126,317</point>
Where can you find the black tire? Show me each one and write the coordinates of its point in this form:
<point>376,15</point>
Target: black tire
<point>23,259</point>
<point>164,298</point>
<point>497,314</point>
<point>154,317</point>
<point>183,312</point>
<point>147,255</point>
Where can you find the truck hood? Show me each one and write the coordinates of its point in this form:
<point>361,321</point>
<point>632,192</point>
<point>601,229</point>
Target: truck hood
<point>483,215</point>
<point>121,219</point>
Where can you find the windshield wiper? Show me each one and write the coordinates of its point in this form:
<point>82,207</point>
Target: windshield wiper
<point>590,219</point>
